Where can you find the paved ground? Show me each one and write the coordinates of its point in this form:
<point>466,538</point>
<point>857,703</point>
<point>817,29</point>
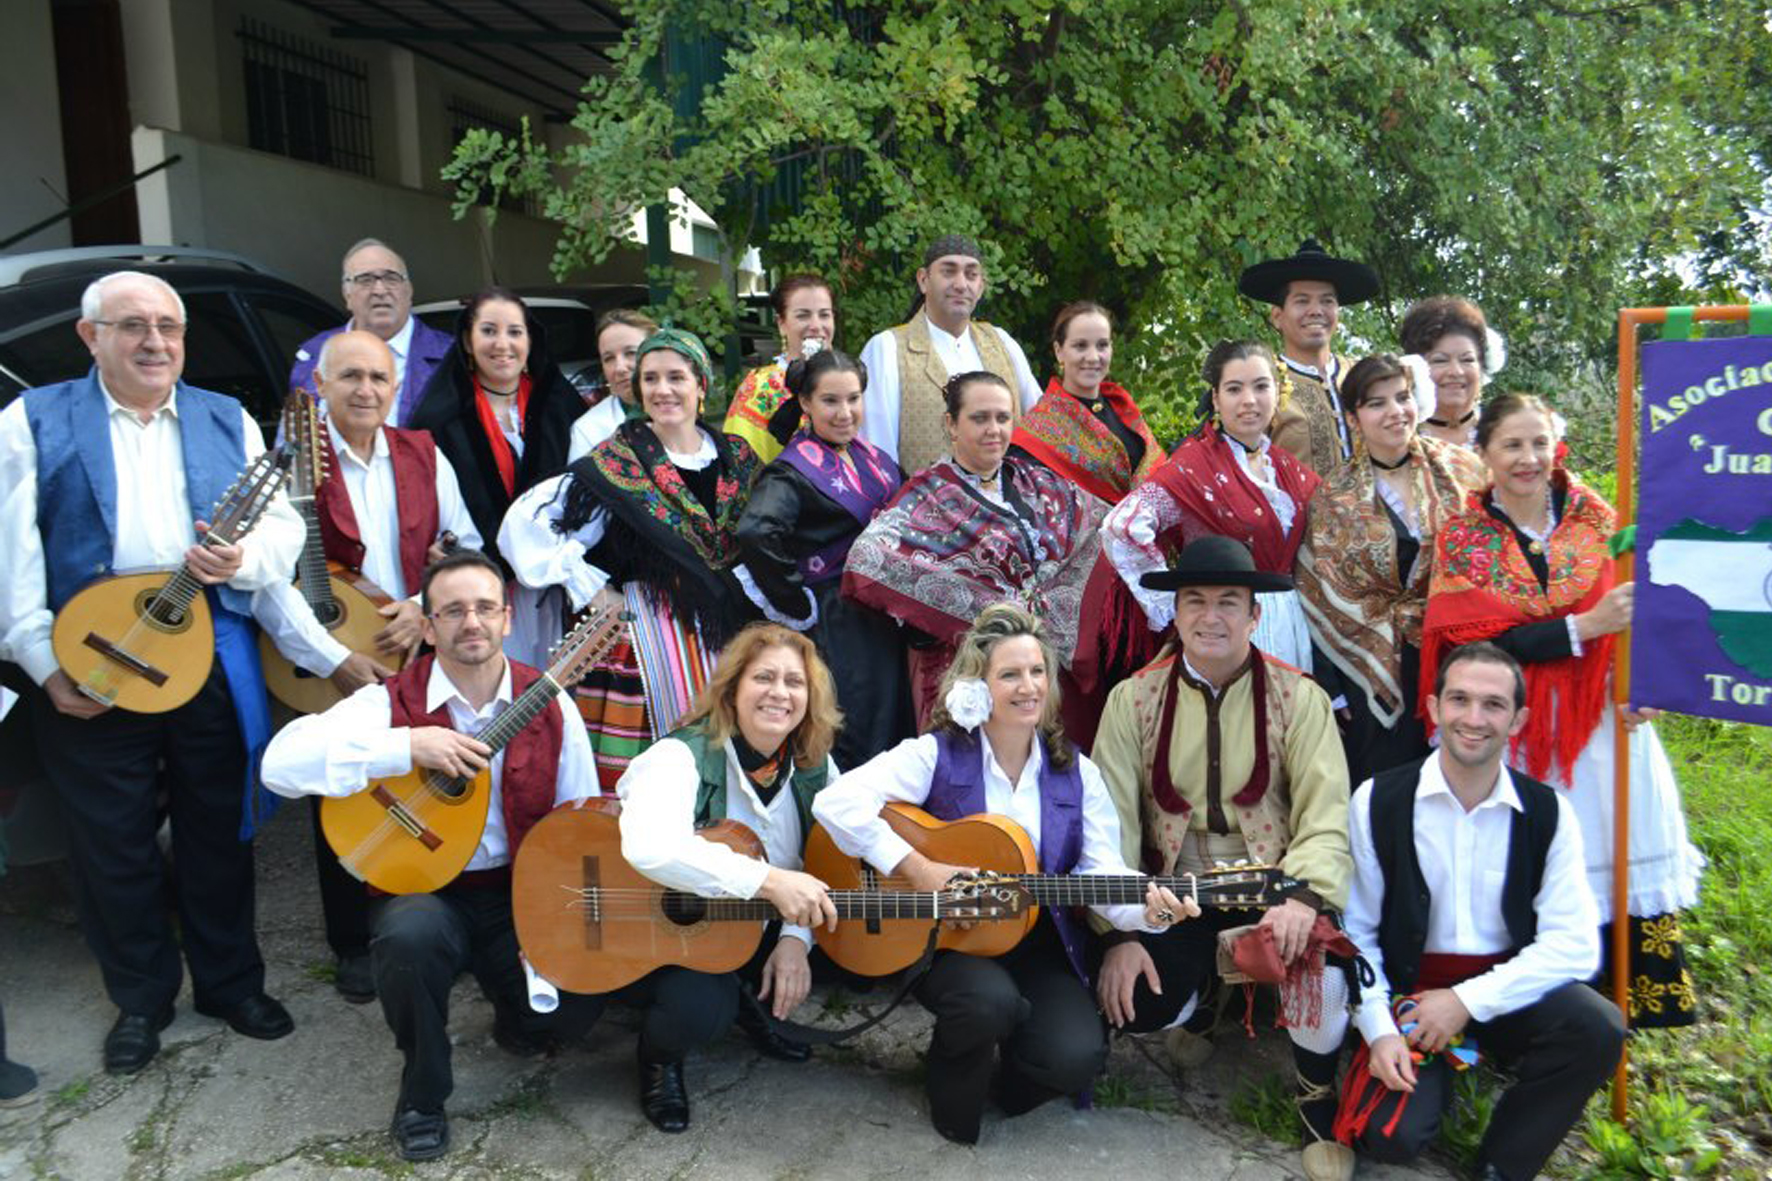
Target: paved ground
<point>316,1105</point>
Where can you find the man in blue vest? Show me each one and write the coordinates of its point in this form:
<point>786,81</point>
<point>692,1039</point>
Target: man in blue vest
<point>378,292</point>
<point>108,472</point>
<point>1470,901</point>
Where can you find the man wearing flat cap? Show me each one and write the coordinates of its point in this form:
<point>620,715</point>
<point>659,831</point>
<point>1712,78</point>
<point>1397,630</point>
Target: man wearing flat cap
<point>908,365</point>
<point>1215,753</point>
<point>1308,291</point>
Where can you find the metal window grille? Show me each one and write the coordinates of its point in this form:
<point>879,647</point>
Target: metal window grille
<point>306,101</point>
<point>465,116</point>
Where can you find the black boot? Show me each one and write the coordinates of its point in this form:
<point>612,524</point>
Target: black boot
<point>18,1083</point>
<point>760,1028</point>
<point>663,1097</point>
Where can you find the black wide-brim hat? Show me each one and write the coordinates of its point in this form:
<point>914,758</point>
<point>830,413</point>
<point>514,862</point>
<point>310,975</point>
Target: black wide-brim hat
<point>1215,561</point>
<point>1354,282</point>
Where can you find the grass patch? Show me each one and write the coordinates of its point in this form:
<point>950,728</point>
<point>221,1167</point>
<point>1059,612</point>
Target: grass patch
<point>69,1094</point>
<point>1266,1104</point>
<point>1116,1090</point>
<point>325,971</point>
<point>1701,1097</point>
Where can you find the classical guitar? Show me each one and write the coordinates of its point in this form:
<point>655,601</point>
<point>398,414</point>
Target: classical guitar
<point>1007,863</point>
<point>346,604</point>
<point>144,640</point>
<point>590,922</point>
<point>412,833</point>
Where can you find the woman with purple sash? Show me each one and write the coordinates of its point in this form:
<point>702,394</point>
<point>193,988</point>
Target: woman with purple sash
<point>996,745</point>
<point>805,511</point>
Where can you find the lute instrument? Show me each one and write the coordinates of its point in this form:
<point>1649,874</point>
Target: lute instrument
<point>346,604</point>
<point>589,922</point>
<point>144,640</point>
<point>1008,867</point>
<point>413,833</point>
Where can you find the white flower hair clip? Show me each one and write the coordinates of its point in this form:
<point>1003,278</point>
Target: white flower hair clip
<point>969,703</point>
<point>810,348</point>
<point>1421,383</point>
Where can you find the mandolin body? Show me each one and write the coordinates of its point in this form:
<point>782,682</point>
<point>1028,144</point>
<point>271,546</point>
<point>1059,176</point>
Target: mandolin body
<point>373,832</point>
<point>883,946</point>
<point>109,647</point>
<point>358,620</point>
<point>589,922</point>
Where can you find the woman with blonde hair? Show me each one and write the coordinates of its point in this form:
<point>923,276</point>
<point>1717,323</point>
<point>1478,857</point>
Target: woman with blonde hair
<point>755,749</point>
<point>620,332</point>
<point>996,745</point>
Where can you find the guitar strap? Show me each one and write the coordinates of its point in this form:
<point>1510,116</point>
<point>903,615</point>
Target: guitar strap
<point>813,1035</point>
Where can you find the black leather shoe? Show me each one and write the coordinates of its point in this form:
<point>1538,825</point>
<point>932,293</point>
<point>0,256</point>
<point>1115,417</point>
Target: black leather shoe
<point>256,1016</point>
<point>134,1040</point>
<point>514,1040</point>
<point>354,979</point>
<point>764,1035</point>
<point>420,1135</point>
<point>663,1097</point>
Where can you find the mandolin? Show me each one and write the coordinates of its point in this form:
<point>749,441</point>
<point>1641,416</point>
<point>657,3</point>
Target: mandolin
<point>144,641</point>
<point>346,604</point>
<point>1007,865</point>
<point>589,922</point>
<point>413,833</point>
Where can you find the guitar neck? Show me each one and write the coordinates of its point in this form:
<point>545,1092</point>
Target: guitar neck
<point>850,904</point>
<point>524,710</point>
<point>1088,889</point>
<point>310,568</point>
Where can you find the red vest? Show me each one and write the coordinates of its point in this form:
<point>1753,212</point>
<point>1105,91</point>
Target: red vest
<point>532,758</point>
<point>415,496</point>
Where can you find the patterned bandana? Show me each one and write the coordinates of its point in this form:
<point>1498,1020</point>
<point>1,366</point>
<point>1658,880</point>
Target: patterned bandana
<point>686,345</point>
<point>952,244</point>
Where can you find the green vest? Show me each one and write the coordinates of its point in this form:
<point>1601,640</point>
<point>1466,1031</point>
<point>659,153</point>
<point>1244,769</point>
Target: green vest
<point>710,796</point>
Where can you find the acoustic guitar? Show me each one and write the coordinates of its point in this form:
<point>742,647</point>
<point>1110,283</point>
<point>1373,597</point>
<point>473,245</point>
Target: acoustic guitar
<point>346,604</point>
<point>413,833</point>
<point>590,922</point>
<point>144,641</point>
<point>1007,863</point>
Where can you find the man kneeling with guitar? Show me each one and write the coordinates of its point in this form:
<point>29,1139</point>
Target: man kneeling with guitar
<point>996,746</point>
<point>425,718</point>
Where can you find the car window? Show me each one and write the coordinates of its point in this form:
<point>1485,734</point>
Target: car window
<point>49,353</point>
<point>220,355</point>
<point>291,322</point>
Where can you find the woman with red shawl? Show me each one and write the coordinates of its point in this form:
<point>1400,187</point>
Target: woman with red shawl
<point>1526,565</point>
<point>1227,479</point>
<point>1086,427</point>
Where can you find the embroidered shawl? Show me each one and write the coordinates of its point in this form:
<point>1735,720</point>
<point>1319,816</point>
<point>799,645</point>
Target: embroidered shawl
<point>759,395</point>
<point>860,491</point>
<point>1483,585</point>
<point>940,552</point>
<point>1214,495</point>
<point>1065,437</point>
<point>1362,613</point>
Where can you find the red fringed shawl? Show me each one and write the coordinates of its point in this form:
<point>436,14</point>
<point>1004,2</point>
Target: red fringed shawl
<point>1483,586</point>
<point>1065,437</point>
<point>502,454</point>
<point>1215,496</point>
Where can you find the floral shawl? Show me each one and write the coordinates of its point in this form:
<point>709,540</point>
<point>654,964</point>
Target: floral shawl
<point>940,552</point>
<point>759,395</point>
<point>1215,496</point>
<point>1065,437</point>
<point>1483,586</point>
<point>1361,612</point>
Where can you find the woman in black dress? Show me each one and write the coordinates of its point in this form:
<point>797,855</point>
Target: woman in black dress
<point>808,506</point>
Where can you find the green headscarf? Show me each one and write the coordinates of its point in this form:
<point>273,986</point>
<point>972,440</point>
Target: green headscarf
<point>686,345</point>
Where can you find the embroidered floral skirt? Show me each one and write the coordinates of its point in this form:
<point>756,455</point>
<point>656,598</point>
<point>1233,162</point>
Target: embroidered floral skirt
<point>1661,992</point>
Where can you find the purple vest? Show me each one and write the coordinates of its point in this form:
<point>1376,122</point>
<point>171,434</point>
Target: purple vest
<point>957,791</point>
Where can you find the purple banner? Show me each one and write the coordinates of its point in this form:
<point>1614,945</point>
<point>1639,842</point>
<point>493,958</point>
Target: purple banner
<point>1701,635</point>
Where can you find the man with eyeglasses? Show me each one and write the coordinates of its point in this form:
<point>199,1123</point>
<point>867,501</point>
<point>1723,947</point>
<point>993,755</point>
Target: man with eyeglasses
<point>387,496</point>
<point>378,292</point>
<point>116,471</point>
<point>426,717</point>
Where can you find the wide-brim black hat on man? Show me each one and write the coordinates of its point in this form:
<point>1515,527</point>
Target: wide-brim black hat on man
<point>1354,282</point>
<point>1215,561</point>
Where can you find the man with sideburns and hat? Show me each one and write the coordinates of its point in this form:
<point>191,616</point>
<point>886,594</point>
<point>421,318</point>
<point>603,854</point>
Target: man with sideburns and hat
<point>908,365</point>
<point>1308,291</point>
<point>1215,753</point>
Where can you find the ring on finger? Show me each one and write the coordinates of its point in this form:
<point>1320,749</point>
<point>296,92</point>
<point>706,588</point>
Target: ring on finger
<point>1165,917</point>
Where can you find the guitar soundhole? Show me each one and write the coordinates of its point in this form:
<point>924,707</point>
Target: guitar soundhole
<point>448,788</point>
<point>685,910</point>
<point>160,616</point>
<point>330,615</point>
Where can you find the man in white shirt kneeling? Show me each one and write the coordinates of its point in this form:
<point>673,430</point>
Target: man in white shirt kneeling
<point>1470,901</point>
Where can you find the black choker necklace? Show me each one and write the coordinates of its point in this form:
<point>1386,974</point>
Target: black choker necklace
<point>1440,422</point>
<point>1382,466</point>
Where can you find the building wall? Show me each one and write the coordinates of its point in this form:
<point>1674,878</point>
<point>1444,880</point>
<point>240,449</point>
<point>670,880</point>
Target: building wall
<point>31,148</point>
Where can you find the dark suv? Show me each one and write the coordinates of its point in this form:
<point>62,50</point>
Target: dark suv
<point>245,323</point>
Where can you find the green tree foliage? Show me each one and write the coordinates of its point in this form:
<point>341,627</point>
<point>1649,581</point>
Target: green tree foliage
<point>1549,158</point>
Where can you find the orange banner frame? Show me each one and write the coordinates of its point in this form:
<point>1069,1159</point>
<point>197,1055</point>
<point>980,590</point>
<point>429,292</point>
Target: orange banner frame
<point>1629,320</point>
